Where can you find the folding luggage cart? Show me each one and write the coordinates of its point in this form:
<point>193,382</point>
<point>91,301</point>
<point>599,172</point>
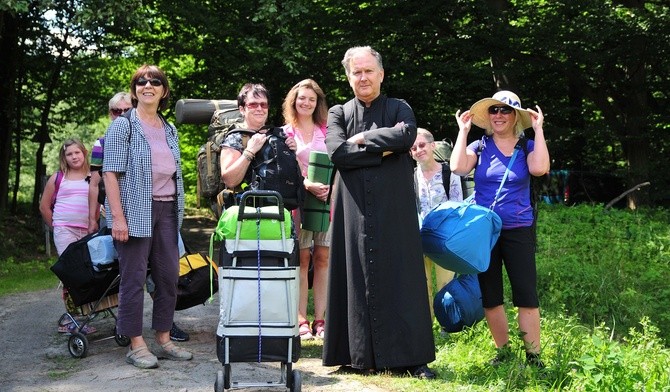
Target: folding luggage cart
<point>258,288</point>
<point>93,291</point>
<point>78,341</point>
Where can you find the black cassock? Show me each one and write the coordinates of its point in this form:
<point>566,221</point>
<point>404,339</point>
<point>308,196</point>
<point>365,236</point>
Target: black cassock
<point>377,315</point>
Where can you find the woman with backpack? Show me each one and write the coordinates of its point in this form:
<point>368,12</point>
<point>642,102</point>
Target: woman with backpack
<point>493,158</point>
<point>64,206</point>
<point>306,113</point>
<point>240,146</point>
<point>145,205</point>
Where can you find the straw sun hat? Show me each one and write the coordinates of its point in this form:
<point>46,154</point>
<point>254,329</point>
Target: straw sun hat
<point>480,111</point>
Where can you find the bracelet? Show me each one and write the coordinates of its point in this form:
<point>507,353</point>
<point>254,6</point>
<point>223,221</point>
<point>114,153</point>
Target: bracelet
<point>248,155</point>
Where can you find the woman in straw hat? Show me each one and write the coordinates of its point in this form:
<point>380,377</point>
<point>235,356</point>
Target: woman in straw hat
<point>504,120</point>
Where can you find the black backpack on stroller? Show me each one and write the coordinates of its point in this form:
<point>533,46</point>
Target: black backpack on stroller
<point>75,269</point>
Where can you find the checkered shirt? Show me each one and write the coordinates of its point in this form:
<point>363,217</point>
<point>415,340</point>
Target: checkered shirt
<point>133,163</point>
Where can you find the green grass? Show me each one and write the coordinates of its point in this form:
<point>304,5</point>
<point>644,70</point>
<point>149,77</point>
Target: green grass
<point>603,284</point>
<point>18,278</point>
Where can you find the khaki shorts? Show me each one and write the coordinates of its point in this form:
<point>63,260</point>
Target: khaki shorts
<point>320,238</point>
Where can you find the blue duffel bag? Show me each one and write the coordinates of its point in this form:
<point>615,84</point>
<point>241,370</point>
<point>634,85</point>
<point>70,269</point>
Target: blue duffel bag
<point>459,303</point>
<point>459,236</point>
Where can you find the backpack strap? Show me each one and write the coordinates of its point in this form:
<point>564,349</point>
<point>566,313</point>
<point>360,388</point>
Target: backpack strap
<point>59,179</point>
<point>130,125</point>
<point>446,178</point>
<point>246,134</point>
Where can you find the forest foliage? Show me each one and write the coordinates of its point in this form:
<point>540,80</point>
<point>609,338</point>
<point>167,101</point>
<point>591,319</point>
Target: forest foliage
<point>599,69</point>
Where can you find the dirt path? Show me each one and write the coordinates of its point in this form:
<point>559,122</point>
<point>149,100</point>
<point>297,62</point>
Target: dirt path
<point>34,357</point>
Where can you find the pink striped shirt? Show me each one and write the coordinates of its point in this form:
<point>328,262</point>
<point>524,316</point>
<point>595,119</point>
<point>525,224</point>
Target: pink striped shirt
<point>71,207</point>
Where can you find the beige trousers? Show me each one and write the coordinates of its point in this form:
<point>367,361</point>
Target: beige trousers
<point>435,283</point>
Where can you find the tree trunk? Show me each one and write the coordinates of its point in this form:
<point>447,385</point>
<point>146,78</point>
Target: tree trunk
<point>8,69</point>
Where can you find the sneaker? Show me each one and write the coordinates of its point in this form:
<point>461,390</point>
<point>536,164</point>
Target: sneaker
<point>142,358</point>
<point>503,354</point>
<point>71,327</point>
<point>177,334</point>
<point>305,332</point>
<point>533,359</point>
<point>169,350</point>
<point>319,329</point>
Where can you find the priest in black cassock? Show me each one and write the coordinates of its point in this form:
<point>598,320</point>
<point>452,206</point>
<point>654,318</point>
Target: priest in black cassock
<point>377,317</point>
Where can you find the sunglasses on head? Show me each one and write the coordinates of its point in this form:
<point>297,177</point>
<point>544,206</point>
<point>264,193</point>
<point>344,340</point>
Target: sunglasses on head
<point>154,82</point>
<point>118,112</point>
<point>500,109</point>
<point>418,145</point>
<point>255,105</point>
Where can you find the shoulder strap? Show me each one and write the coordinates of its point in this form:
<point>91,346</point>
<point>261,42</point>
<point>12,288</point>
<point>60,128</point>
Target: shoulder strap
<point>446,178</point>
<point>502,182</point>
<point>246,134</point>
<point>59,179</point>
<point>523,143</point>
<point>480,146</point>
<point>130,124</point>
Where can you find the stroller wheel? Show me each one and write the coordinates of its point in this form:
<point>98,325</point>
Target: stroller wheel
<point>77,345</point>
<point>226,376</point>
<point>121,340</point>
<point>218,384</point>
<point>296,382</point>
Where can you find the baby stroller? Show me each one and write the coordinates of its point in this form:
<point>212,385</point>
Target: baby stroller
<point>90,272</point>
<point>258,288</point>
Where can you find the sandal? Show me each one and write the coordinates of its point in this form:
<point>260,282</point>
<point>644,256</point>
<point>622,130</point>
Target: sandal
<point>71,327</point>
<point>169,350</point>
<point>319,328</point>
<point>142,358</point>
<point>305,332</point>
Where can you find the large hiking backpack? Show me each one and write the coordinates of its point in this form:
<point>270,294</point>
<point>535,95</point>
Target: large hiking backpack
<point>442,152</point>
<point>208,165</point>
<point>276,168</point>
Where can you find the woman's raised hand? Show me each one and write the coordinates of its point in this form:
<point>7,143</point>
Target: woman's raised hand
<point>464,120</point>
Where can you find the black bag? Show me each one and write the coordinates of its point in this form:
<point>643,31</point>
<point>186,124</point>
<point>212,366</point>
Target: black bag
<point>75,269</point>
<point>198,280</point>
<point>276,168</point>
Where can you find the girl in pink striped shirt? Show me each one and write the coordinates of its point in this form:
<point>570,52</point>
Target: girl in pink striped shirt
<point>64,204</point>
<point>68,216</point>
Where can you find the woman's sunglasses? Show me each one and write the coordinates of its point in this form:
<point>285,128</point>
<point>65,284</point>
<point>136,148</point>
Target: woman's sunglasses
<point>154,82</point>
<point>418,145</point>
<point>255,105</point>
<point>118,112</point>
<point>501,109</point>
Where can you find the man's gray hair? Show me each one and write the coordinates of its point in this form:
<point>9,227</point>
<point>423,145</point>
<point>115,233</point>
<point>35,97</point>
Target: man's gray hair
<point>351,52</point>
